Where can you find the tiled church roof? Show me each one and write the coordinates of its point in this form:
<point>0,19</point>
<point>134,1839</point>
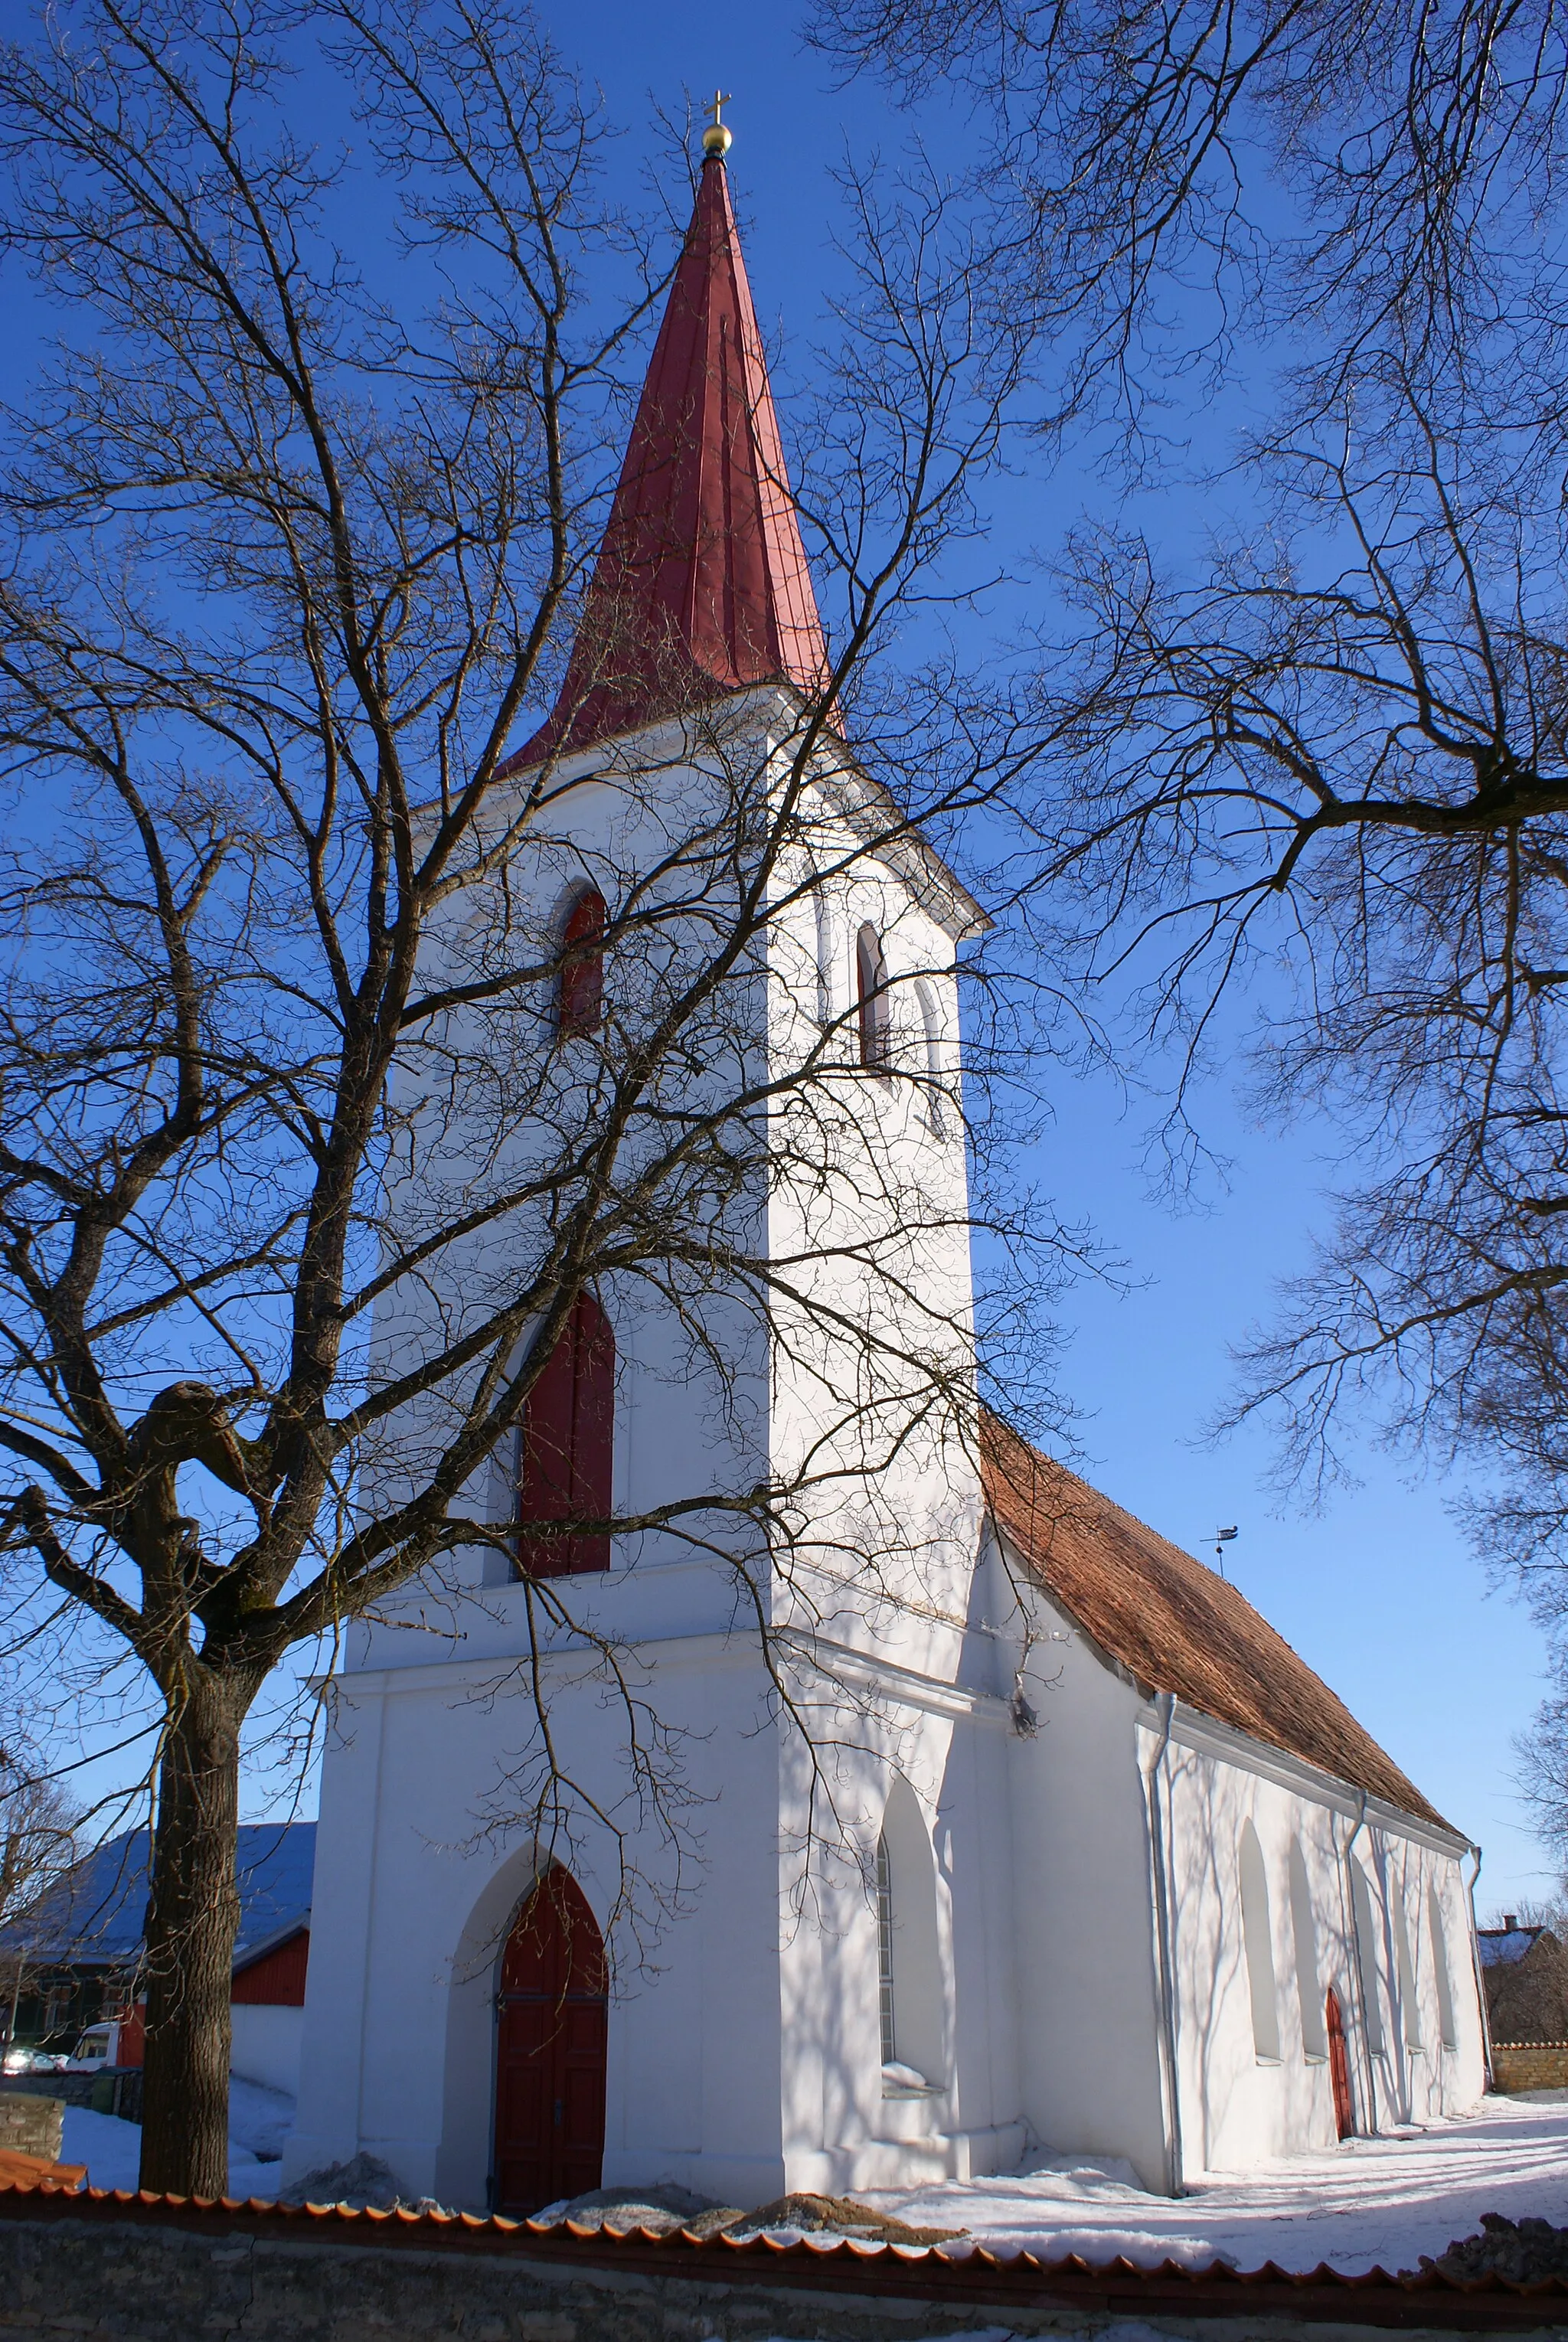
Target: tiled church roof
<point>701,586</point>
<point>1173,1625</point>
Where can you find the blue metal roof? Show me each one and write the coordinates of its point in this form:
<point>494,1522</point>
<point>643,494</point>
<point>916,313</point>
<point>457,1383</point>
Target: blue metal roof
<point>96,1913</point>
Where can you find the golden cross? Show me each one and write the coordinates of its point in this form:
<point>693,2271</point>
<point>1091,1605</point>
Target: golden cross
<point>721,98</point>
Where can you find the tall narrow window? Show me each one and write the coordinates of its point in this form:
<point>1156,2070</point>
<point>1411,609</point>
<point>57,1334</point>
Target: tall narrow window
<point>937,1120</point>
<point>1409,1999</point>
<point>568,1450</point>
<point>871,992</point>
<point>581,995</point>
<point>826,1007</point>
<point>884,1952</point>
<point>1440,1970</point>
<point>910,1973</point>
<point>1257,1936</point>
<point>1309,1990</point>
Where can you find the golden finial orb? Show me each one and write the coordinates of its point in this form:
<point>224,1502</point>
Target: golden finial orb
<point>717,139</point>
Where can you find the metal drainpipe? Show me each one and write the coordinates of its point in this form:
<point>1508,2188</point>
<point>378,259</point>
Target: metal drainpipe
<point>1166,1700</point>
<point>1401,2062</point>
<point>1359,1965</point>
<point>1476,1971</point>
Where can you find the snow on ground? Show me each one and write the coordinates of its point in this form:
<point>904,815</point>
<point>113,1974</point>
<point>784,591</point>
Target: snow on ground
<point>259,2121</point>
<point>110,2148</point>
<point>260,2118</point>
<point>1370,2201</point>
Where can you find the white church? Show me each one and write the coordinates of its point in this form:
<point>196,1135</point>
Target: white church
<point>1012,1829</point>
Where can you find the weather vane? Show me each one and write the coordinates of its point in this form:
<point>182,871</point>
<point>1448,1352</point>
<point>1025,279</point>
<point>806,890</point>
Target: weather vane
<point>715,138</point>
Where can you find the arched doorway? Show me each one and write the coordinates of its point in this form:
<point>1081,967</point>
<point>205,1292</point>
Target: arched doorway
<point>550,2055</point>
<point>1338,2065</point>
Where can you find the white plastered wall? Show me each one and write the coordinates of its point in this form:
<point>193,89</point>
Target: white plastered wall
<point>743,2052</point>
<point>266,2044</point>
<point>1088,1981</point>
<point>1247,2094</point>
<point>1103,1798</point>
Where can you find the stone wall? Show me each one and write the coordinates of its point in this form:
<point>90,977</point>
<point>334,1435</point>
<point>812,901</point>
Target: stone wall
<point>113,2283</point>
<point>112,2090</point>
<point>30,2125</point>
<point>65,2279</point>
<point>74,2089</point>
<point>1530,2065</point>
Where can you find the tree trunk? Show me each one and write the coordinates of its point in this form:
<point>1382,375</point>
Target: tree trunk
<point>193,1918</point>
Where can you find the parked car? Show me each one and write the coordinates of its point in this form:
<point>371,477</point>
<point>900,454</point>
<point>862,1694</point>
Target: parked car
<point>31,2061</point>
<point>97,2049</point>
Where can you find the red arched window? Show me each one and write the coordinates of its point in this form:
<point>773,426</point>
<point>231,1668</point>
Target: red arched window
<point>567,1449</point>
<point>871,990</point>
<point>581,1000</point>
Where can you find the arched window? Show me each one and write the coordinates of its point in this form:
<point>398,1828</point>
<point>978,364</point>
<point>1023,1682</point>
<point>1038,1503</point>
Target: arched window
<point>1409,1999</point>
<point>827,1007</point>
<point>1309,1991</point>
<point>580,1002</point>
<point>909,1961</point>
<point>1257,1936</point>
<point>885,1951</point>
<point>871,992</point>
<point>931,1022</point>
<point>566,1449</point>
<point>1440,1970</point>
<point>1366,1949</point>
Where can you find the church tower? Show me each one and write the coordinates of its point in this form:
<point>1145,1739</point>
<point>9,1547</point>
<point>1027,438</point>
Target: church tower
<point>757,1934</point>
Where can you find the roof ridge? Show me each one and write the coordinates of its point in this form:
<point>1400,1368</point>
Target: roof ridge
<point>1159,1612</point>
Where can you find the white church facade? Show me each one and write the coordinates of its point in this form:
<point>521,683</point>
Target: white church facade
<point>1044,1841</point>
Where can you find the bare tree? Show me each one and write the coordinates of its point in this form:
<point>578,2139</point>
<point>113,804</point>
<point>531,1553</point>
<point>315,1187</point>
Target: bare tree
<point>290,560</point>
<point>39,1841</point>
<point>1179,175</point>
<point>1333,778</point>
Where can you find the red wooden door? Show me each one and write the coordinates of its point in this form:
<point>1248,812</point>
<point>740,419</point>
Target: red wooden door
<point>550,2063</point>
<point>1339,2066</point>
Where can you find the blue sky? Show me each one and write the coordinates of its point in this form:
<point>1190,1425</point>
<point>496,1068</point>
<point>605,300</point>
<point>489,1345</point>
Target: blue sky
<point>1379,1593</point>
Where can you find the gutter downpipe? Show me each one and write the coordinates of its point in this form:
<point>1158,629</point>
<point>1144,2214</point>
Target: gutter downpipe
<point>1164,1703</point>
<point>1366,2013</point>
<point>1404,2067</point>
<point>1480,1978</point>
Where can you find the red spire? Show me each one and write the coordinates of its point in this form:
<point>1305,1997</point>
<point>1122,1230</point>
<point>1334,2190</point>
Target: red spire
<point>701,586</point>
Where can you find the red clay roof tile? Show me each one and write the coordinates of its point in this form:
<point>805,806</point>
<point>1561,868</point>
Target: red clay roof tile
<point>1173,1625</point>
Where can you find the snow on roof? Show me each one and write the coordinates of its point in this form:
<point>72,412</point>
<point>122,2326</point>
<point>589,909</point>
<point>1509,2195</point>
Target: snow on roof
<point>96,1915</point>
<point>1173,1625</point>
<point>1500,1948</point>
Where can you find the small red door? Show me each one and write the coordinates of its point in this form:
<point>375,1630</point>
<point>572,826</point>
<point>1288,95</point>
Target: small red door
<point>550,2063</point>
<point>1339,2067</point>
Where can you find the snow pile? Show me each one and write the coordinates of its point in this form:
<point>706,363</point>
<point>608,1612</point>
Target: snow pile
<point>662,2208</point>
<point>830,2219</point>
<point>363,2182</point>
<point>1370,2202</point>
<point>260,2120</point>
